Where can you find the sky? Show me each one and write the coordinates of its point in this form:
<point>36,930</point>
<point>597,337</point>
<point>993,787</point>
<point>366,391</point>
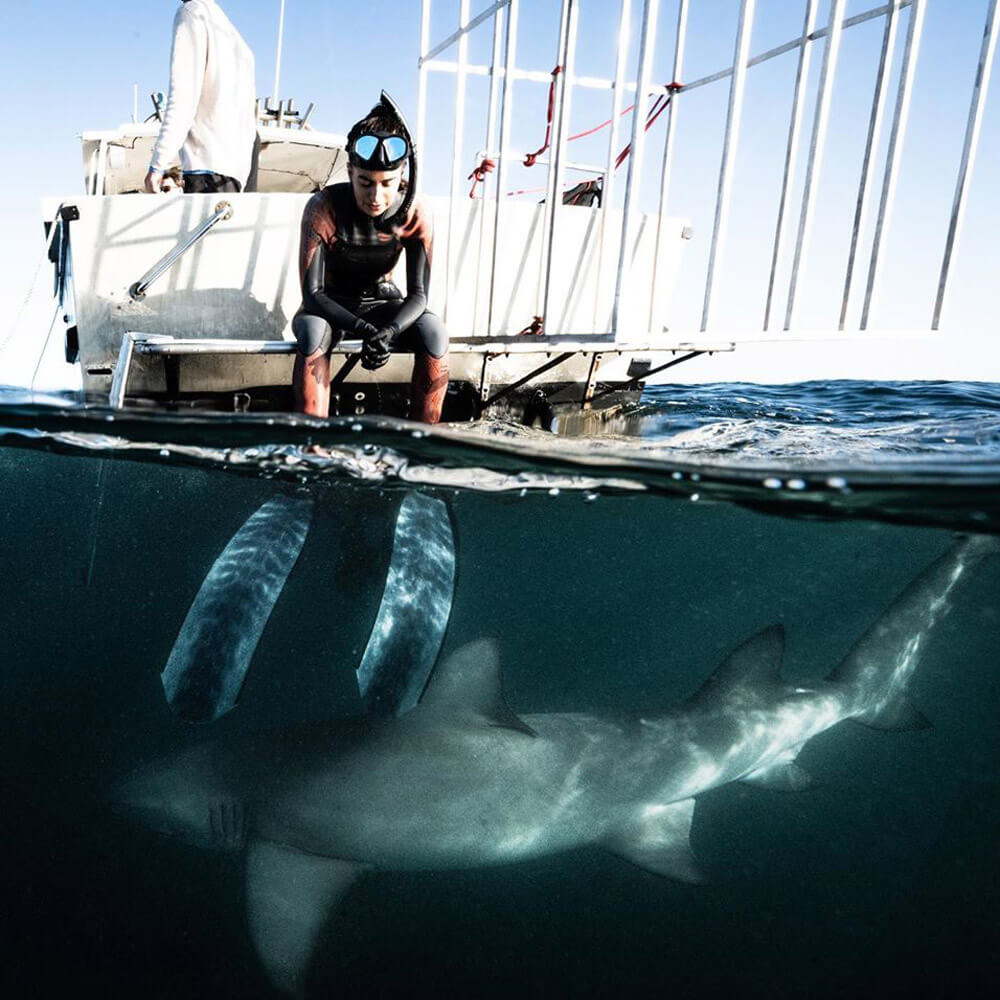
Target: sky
<point>68,66</point>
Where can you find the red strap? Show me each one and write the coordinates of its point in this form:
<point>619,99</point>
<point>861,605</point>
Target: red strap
<point>659,106</point>
<point>529,160</point>
<point>534,329</point>
<point>479,174</point>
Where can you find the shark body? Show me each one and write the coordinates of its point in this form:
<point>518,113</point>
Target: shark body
<point>461,781</point>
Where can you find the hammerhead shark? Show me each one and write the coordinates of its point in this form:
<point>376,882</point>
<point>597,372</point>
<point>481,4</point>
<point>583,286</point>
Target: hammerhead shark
<point>461,781</point>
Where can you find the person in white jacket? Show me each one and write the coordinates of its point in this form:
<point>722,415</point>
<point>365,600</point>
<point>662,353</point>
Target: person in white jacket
<point>210,119</point>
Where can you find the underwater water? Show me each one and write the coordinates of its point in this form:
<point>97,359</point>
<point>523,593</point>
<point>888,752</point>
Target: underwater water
<point>616,573</point>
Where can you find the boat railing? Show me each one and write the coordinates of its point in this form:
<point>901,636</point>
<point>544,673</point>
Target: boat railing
<point>223,212</point>
<point>793,227</point>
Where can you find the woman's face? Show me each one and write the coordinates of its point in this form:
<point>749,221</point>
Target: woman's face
<point>374,190</point>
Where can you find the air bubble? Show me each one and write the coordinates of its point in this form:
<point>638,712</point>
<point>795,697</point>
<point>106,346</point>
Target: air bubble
<point>590,497</point>
<point>554,492</point>
<point>837,483</point>
<point>357,428</point>
<point>164,453</point>
<point>796,484</point>
<point>695,497</point>
<point>772,483</point>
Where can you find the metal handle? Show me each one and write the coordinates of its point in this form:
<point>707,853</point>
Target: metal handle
<point>223,211</point>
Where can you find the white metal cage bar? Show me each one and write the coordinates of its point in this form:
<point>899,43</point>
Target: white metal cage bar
<point>452,263</point>
<point>669,143</point>
<point>491,126</point>
<point>734,116</point>
<point>893,157</point>
<point>647,44</point>
<point>970,145</point>
<point>562,96</point>
<point>814,162</point>
<point>614,131</point>
<point>507,105</point>
<point>504,73</point>
<point>791,152</point>
<point>875,125</point>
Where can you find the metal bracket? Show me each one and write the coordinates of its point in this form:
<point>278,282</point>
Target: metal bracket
<point>634,382</point>
<point>591,384</point>
<point>484,379</point>
<point>527,378</point>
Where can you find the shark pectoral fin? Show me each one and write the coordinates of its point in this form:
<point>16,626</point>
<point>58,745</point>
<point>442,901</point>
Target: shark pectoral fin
<point>289,897</point>
<point>658,839</point>
<point>208,664</point>
<point>468,684</point>
<point>413,617</point>
<point>781,777</point>
<point>755,663</point>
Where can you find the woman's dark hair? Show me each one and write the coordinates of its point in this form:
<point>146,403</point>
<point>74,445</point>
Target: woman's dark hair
<point>380,120</point>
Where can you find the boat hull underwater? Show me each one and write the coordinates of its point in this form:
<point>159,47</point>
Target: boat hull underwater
<point>461,781</point>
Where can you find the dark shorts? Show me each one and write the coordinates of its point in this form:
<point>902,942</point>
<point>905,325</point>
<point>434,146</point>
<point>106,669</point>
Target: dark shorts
<point>428,334</point>
<point>210,184</point>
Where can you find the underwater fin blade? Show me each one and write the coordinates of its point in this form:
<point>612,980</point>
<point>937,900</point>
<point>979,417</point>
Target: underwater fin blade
<point>208,663</point>
<point>413,616</point>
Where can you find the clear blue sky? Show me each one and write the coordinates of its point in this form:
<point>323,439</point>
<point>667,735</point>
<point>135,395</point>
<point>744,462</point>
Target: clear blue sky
<point>71,66</point>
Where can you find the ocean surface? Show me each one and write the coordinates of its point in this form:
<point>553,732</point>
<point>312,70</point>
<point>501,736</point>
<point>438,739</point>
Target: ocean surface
<point>616,571</point>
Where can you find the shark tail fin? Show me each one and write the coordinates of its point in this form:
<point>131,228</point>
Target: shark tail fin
<point>876,673</point>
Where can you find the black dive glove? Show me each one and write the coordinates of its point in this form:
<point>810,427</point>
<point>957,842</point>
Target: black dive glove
<point>377,347</point>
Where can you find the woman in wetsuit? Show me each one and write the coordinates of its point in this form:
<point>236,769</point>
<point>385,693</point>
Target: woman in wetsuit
<point>352,236</point>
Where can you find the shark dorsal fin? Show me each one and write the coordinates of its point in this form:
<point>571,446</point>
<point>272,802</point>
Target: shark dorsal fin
<point>756,663</point>
<point>468,683</point>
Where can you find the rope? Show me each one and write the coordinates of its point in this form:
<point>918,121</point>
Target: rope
<point>529,160</point>
<point>487,165</point>
<point>34,281</point>
<point>479,174</point>
<point>659,106</point>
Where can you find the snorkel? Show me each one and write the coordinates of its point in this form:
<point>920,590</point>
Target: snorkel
<point>388,223</point>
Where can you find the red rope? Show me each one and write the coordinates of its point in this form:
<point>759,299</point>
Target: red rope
<point>529,160</point>
<point>659,106</point>
<point>534,329</point>
<point>479,174</point>
<point>661,103</point>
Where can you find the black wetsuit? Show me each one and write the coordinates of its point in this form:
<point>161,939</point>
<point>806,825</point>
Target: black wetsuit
<point>345,263</point>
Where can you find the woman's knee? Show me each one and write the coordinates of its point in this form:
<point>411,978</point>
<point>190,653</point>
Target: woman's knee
<point>312,333</point>
<point>433,335</point>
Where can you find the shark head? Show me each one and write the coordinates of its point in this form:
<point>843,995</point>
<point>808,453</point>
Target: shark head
<point>183,797</point>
